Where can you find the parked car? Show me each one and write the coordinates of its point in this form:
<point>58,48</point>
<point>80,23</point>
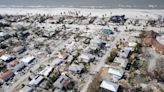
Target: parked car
<point>128,66</point>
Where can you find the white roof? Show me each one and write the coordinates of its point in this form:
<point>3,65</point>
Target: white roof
<point>125,52</point>
<point>109,85</point>
<point>36,80</point>
<point>57,61</point>
<point>116,72</point>
<point>28,59</point>
<point>3,34</point>
<point>5,57</point>
<point>132,44</point>
<point>46,71</point>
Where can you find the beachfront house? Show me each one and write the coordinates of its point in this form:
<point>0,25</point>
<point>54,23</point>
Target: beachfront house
<point>62,82</point>
<point>109,85</point>
<point>118,19</point>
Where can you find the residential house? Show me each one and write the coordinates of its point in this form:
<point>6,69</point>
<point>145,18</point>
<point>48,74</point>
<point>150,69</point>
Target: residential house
<point>97,43</point>
<point>46,71</point>
<point>57,61</point>
<point>28,59</point>
<point>7,57</point>
<point>118,19</point>
<point>26,89</point>
<point>86,58</point>
<point>19,67</point>
<point>106,84</point>
<point>62,82</point>
<point>75,68</point>
<point>124,53</point>
<point>116,73</point>
<point>19,49</point>
<point>121,61</point>
<point>36,81</point>
<point>12,64</point>
<point>5,76</point>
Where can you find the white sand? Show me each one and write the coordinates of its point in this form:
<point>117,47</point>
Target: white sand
<point>130,13</point>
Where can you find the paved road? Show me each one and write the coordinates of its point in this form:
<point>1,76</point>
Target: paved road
<point>102,61</point>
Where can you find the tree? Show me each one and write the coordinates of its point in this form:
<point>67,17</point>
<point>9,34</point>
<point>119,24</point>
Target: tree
<point>137,48</point>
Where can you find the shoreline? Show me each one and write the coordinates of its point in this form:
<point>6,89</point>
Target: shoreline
<point>81,7</point>
<point>149,7</point>
<point>130,13</point>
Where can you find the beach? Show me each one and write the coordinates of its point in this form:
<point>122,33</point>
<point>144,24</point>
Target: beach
<point>131,13</point>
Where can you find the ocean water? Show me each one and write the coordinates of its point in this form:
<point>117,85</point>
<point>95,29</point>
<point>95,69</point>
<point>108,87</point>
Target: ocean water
<point>136,4</point>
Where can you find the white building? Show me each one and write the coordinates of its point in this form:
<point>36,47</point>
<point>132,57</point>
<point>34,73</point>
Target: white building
<point>36,80</point>
<point>109,85</point>
<point>28,59</point>
<point>46,71</point>
<point>57,61</point>
<point>7,57</point>
<point>124,53</point>
<point>116,74</point>
<point>132,44</point>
